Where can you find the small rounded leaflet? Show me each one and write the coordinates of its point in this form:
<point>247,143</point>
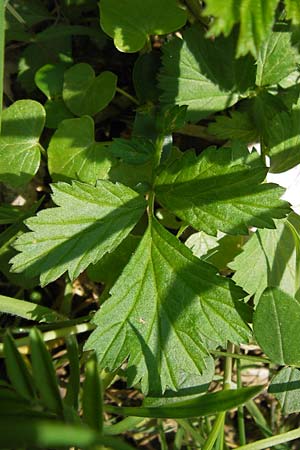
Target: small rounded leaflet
<point>87,94</point>
<point>130,22</point>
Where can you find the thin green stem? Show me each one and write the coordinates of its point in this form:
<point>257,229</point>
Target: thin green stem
<point>239,356</point>
<point>272,441</point>
<point>129,96</point>
<point>240,413</point>
<point>216,429</point>
<point>189,429</point>
<point>162,435</point>
<point>2,51</point>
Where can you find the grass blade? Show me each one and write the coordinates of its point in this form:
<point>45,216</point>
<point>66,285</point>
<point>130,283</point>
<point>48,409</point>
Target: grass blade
<point>92,401</point>
<point>28,310</point>
<point>74,378</point>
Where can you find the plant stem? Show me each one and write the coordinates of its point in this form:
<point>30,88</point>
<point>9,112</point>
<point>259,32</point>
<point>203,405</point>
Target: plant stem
<point>239,356</point>
<point>2,51</point>
<point>240,413</point>
<point>272,441</point>
<point>129,96</point>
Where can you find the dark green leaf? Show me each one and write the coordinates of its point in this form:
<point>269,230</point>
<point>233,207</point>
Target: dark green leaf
<point>165,303</point>
<point>144,76</point>
<point>215,192</point>
<point>88,222</point>
<point>92,401</point>
<point>50,79</point>
<point>74,377</point>
<point>238,125</point>
<point>86,94</point>
<point>276,324</point>
<point>56,112</point>
<point>134,151</point>
<point>130,22</point>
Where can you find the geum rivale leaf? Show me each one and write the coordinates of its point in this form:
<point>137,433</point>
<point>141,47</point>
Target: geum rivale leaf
<point>130,22</point>
<point>214,192</point>
<point>88,222</point>
<point>164,309</point>
<point>22,124</point>
<point>195,72</point>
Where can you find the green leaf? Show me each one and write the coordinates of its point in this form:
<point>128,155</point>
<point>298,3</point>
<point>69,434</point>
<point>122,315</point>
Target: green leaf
<point>238,125</point>
<point>273,258</point>
<point>276,59</point>
<point>56,112</point>
<point>50,79</point>
<point>286,388</point>
<point>284,141</point>
<point>256,18</point>
<point>92,401</point>
<point>17,371</point>
<point>165,303</point>
<point>88,222</point>
<point>201,406</point>
<point>86,94</point>
<point>22,124</point>
<point>276,324</point>
<point>134,151</point>
<point>44,374</point>
<point>9,214</point>
<point>28,310</point>
<point>196,73</point>
<point>130,22</point>
<point>144,76</point>
<point>292,8</point>
<point>73,386</point>
<point>73,152</point>
<point>31,432</point>
<point>216,192</point>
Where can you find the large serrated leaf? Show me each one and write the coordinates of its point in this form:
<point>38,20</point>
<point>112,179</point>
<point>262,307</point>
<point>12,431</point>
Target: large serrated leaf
<point>215,192</point>
<point>88,222</point>
<point>73,152</point>
<point>196,73</point>
<point>130,22</point>
<point>273,258</point>
<point>276,327</point>
<point>166,303</point>
<point>22,124</point>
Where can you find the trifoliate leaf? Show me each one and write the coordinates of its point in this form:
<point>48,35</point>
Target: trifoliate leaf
<point>196,73</point>
<point>215,192</point>
<point>286,388</point>
<point>238,125</point>
<point>276,59</point>
<point>134,151</point>
<point>163,309</point>
<point>22,124</point>
<point>256,18</point>
<point>284,141</point>
<point>272,256</point>
<point>130,22</point>
<point>85,94</point>
<point>88,222</point>
<point>73,152</point>
<point>276,327</point>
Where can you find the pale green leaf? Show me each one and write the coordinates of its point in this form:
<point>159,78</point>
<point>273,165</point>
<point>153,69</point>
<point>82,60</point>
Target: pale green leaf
<point>166,303</point>
<point>216,192</point>
<point>86,94</point>
<point>276,327</point>
<point>22,124</point>
<point>276,59</point>
<point>73,152</point>
<point>131,22</point>
<point>283,141</point>
<point>286,388</point>
<point>196,73</point>
<point>270,258</point>
<point>255,17</point>
<point>238,125</point>
<point>88,222</point>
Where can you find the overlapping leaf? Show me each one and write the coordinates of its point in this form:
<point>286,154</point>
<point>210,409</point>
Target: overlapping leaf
<point>74,154</point>
<point>216,192</point>
<point>272,256</point>
<point>196,73</point>
<point>286,388</point>
<point>88,222</point>
<point>130,22</point>
<point>22,124</point>
<point>239,125</point>
<point>164,307</point>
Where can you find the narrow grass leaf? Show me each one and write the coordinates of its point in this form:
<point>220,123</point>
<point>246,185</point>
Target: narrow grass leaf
<point>92,400</point>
